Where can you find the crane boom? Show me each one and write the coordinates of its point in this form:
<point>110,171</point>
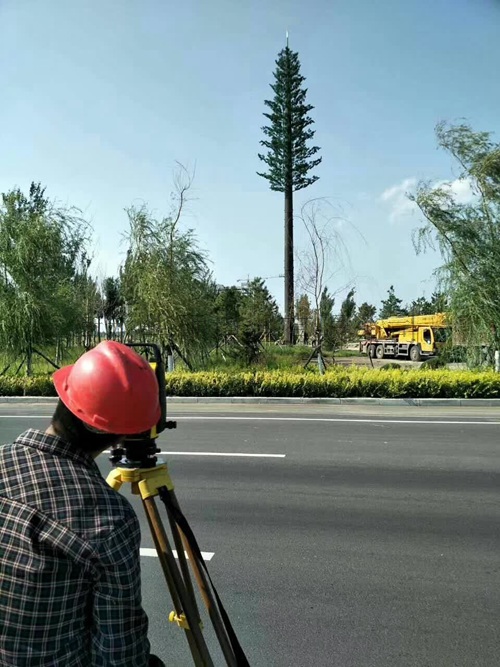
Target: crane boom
<point>435,320</point>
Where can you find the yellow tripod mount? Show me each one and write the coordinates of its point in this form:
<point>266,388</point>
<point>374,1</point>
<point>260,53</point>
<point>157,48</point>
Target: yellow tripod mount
<point>149,483</point>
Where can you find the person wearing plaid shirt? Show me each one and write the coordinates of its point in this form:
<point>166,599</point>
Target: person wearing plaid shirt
<point>70,591</point>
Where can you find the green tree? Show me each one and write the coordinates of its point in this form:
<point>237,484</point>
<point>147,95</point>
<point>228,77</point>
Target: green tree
<point>289,157</point>
<point>228,303</point>
<point>439,302</point>
<point>93,309</point>
<point>420,306</point>
<point>42,252</point>
<point>346,323</point>
<point>113,307</point>
<point>87,308</point>
<point>167,287</point>
<point>327,319</point>
<point>423,306</point>
<point>466,230</point>
<point>366,313</point>
<point>305,318</point>
<point>391,307</point>
<point>259,311</point>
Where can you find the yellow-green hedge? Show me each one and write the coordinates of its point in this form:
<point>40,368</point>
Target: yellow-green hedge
<point>339,383</point>
<point>345,382</point>
<point>21,386</point>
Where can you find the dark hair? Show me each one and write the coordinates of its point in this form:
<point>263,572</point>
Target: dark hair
<point>73,430</point>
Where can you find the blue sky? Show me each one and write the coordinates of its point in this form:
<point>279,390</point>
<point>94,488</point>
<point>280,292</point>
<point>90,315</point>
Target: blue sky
<point>100,98</point>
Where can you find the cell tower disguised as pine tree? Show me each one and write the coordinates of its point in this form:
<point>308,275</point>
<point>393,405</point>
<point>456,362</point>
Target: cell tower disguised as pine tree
<point>288,157</point>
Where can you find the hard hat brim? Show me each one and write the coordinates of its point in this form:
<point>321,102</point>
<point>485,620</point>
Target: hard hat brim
<point>59,378</point>
<point>60,383</point>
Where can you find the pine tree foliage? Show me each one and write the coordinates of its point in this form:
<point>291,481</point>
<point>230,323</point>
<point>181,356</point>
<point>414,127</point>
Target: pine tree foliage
<point>259,311</point>
<point>366,313</point>
<point>392,306</point>
<point>327,319</point>
<point>289,158</point>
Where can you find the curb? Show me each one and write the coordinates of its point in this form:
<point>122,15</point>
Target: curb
<point>255,400</point>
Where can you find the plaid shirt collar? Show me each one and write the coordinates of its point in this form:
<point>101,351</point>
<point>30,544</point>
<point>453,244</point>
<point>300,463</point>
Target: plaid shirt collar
<point>56,446</point>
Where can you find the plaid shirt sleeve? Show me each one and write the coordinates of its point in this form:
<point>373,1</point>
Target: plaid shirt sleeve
<point>119,624</point>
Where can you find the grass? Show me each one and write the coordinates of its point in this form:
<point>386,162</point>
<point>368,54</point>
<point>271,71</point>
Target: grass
<point>40,366</point>
<point>349,353</point>
<point>272,357</point>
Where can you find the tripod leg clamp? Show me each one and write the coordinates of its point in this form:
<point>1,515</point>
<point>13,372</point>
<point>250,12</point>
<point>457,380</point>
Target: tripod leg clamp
<point>144,481</point>
<point>180,620</point>
<point>154,479</point>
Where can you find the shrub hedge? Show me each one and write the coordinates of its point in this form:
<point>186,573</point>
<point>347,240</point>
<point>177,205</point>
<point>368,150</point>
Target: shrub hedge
<point>40,385</point>
<point>337,382</point>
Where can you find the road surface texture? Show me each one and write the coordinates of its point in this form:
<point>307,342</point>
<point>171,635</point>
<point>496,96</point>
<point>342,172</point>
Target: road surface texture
<point>370,537</point>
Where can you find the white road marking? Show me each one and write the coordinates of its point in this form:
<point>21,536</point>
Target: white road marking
<point>207,555</point>
<point>241,454</point>
<point>368,420</point>
<point>38,416</point>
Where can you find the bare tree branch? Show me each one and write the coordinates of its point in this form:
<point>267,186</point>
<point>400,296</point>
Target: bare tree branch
<point>326,247</point>
<point>183,181</point>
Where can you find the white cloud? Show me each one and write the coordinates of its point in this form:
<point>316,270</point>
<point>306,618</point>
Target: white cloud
<point>396,196</point>
<point>460,189</point>
<point>398,190</point>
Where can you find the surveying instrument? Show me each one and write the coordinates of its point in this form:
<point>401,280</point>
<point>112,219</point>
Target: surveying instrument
<point>136,463</point>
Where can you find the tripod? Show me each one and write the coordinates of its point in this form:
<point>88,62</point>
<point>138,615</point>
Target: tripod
<point>152,481</point>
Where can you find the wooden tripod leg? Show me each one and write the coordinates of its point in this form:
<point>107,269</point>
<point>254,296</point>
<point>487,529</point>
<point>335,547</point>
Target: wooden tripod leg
<point>210,604</point>
<point>206,592</point>
<point>186,575</point>
<point>168,566</point>
<point>175,583</point>
<point>166,570</point>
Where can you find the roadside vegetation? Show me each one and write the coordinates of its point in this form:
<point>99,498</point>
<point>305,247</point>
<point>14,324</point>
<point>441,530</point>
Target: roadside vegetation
<point>53,308</point>
<point>336,382</point>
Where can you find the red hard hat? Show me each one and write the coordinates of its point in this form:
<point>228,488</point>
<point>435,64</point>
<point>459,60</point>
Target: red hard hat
<point>111,388</point>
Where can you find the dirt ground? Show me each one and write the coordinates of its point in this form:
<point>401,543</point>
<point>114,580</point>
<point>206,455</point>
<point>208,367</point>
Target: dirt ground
<point>377,363</point>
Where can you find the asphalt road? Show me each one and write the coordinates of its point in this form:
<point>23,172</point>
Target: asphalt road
<point>374,540</point>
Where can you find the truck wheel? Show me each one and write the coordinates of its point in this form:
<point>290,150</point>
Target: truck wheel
<point>415,353</point>
<point>379,352</point>
<point>371,351</point>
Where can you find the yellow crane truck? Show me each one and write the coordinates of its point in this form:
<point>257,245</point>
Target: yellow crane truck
<point>413,336</point>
